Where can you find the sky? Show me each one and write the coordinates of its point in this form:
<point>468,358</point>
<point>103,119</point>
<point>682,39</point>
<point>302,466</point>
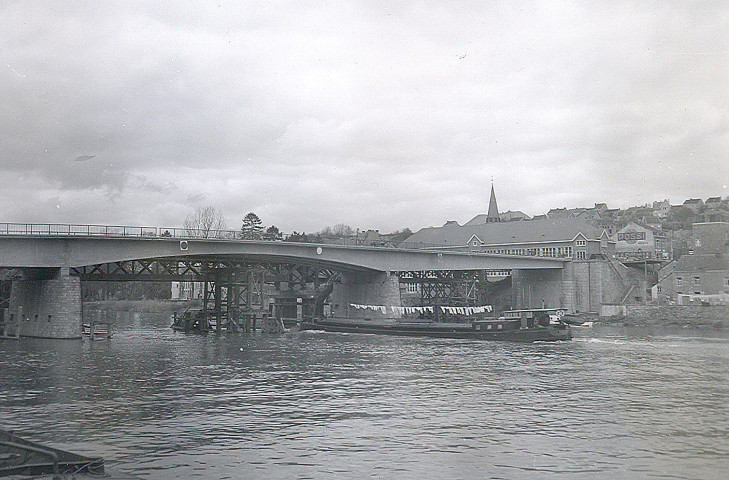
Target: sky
<point>377,115</point>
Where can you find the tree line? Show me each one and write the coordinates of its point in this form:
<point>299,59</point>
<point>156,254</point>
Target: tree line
<point>208,222</point>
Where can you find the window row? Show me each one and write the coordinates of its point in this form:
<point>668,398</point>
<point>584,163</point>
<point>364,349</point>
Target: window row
<point>559,252</point>
<point>695,281</point>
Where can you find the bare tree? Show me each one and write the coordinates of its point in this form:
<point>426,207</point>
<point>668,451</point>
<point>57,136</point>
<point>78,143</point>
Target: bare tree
<point>339,230</point>
<point>342,230</point>
<point>206,222</point>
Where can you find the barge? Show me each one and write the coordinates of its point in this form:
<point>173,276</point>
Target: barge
<point>530,325</point>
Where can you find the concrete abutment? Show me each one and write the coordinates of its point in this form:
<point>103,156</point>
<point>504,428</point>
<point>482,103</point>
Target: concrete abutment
<point>377,288</point>
<point>581,286</point>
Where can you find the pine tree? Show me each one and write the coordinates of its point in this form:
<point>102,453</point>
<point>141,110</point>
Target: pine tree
<point>252,228</point>
<point>272,233</point>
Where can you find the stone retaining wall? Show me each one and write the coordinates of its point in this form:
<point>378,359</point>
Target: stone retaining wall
<point>716,316</point>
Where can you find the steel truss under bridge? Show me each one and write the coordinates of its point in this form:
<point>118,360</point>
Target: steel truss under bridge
<point>457,288</point>
<point>235,294</point>
<point>186,269</point>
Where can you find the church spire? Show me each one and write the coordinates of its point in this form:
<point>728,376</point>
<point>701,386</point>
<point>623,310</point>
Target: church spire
<point>493,215</point>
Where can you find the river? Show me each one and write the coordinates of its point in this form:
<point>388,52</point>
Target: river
<point>614,403</point>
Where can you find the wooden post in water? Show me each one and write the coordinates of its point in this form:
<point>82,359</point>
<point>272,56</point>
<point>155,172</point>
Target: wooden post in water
<point>217,298</point>
<point>10,325</point>
<point>107,323</point>
<point>92,327</point>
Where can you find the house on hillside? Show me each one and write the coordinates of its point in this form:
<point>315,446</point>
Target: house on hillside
<point>607,220</point>
<point>704,272</point>
<point>694,204</point>
<point>661,209</point>
<point>558,213</point>
<point>513,216</point>
<point>713,202</point>
<point>600,208</point>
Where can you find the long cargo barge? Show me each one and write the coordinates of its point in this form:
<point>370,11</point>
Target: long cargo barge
<point>533,325</point>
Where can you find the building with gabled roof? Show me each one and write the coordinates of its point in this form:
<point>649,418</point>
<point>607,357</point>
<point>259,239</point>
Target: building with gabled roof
<point>512,216</point>
<point>705,270</point>
<point>637,242</point>
<point>600,207</point>
<point>694,204</point>
<point>558,213</point>
<point>662,209</point>
<point>591,276</point>
<point>551,237</point>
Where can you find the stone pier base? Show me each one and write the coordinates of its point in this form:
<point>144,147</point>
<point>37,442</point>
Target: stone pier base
<point>48,303</point>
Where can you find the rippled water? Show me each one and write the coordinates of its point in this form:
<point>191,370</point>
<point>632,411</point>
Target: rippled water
<point>611,404</point>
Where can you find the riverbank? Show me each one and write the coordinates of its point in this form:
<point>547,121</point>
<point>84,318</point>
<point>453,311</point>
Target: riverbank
<point>685,316</point>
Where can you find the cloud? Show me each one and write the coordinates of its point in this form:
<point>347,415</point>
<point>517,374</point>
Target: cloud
<point>374,116</point>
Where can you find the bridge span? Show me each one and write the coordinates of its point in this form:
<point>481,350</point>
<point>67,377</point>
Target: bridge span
<point>78,251</point>
<point>44,264</point>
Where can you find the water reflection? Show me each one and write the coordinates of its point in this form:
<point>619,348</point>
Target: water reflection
<point>160,404</point>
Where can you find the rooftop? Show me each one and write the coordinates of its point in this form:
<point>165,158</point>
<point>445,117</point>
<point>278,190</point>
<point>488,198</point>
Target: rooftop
<point>534,231</point>
<point>702,263</point>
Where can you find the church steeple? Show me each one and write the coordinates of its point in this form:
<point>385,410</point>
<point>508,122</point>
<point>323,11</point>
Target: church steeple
<point>493,215</point>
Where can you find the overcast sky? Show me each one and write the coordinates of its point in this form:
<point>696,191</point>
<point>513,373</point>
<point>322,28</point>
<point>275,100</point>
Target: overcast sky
<point>378,115</point>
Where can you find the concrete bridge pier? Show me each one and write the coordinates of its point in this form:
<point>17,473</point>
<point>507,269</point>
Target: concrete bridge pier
<point>48,301</point>
<point>538,289</point>
<point>364,288</point>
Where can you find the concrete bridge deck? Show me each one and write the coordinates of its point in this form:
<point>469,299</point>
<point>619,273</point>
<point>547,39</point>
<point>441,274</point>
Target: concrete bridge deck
<point>41,246</point>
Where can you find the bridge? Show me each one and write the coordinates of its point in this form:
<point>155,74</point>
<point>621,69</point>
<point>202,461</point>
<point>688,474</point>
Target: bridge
<point>44,265</point>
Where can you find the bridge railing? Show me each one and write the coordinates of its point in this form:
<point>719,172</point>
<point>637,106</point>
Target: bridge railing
<point>58,229</point>
<point>64,229</point>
